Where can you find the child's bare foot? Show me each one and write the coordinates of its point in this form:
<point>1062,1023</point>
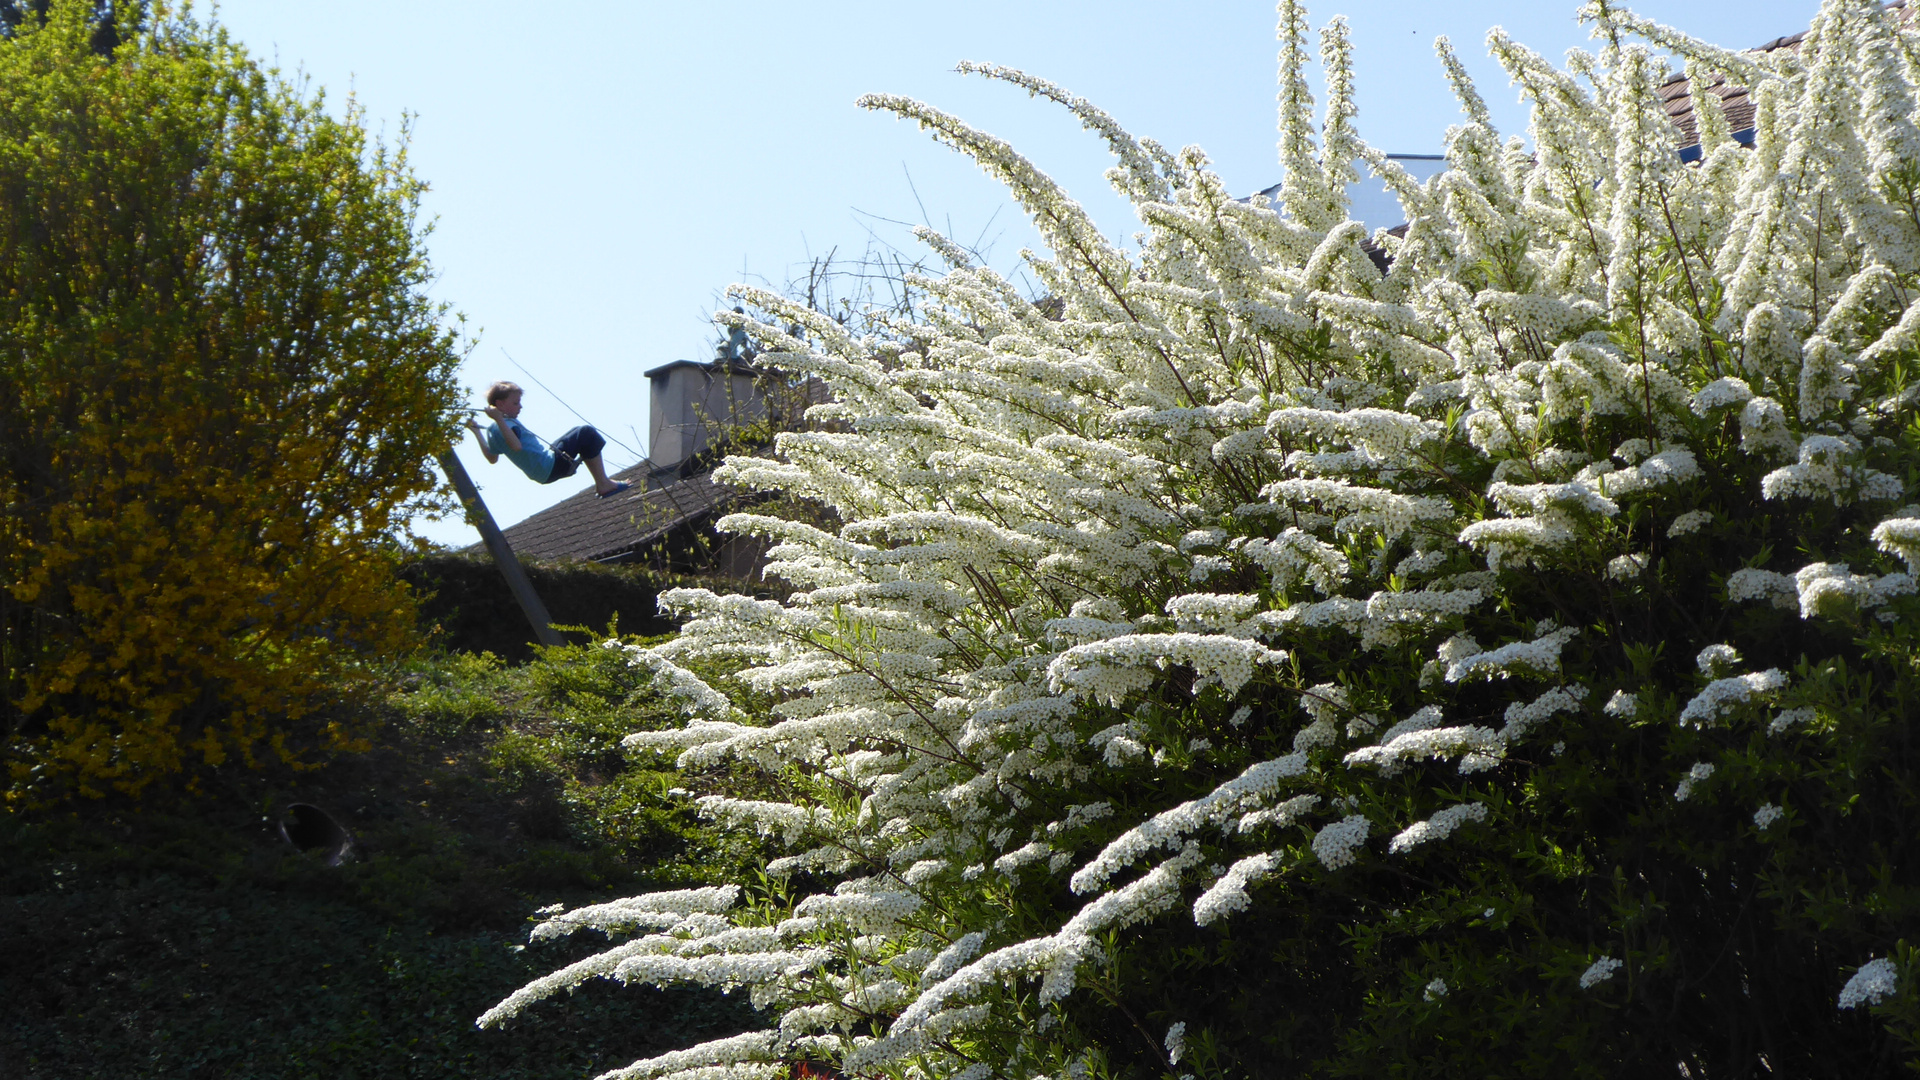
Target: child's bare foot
<point>614,487</point>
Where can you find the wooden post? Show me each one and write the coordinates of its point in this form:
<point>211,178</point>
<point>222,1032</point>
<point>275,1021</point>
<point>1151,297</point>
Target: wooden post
<point>503,557</point>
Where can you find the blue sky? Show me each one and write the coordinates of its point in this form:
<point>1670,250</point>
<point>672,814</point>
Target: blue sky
<point>601,171</point>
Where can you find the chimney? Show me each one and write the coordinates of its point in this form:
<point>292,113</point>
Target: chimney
<point>695,404</point>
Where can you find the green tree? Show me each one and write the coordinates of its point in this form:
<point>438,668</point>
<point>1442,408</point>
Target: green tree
<point>223,383</point>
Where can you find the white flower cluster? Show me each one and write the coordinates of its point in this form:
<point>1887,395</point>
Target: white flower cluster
<point>1110,670</point>
<point>1550,516</point>
<point>1521,716</point>
<point>1716,660</point>
<point>1700,772</point>
<point>1833,589</point>
<point>1689,523</point>
<point>1626,567</point>
<point>1705,708</point>
<point>1747,583</point>
<point>1393,756</point>
<point>1335,844</point>
<point>1437,827</point>
<point>1788,718</point>
<point>1294,556</point>
<point>865,913</point>
<point>752,1056</point>
<point>1599,971</point>
<point>1176,1042</point>
<point>1171,828</point>
<point>1900,536</point>
<point>1827,470</point>
<point>1382,434</point>
<point>1538,657</point>
<point>1876,981</point>
<point>1092,541</point>
<point>1229,894</point>
<point>648,911</point>
<point>1721,393</point>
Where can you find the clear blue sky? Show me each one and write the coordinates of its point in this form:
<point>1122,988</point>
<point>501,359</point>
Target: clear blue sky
<point>600,171</point>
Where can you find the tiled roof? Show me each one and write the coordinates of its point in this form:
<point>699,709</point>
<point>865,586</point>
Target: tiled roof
<point>1734,99</point>
<point>1674,94</point>
<point>602,530</point>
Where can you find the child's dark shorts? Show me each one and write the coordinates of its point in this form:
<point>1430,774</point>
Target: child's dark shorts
<point>571,449</point>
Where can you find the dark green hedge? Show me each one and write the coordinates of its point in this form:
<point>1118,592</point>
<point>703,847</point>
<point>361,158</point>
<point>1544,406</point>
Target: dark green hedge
<point>466,606</point>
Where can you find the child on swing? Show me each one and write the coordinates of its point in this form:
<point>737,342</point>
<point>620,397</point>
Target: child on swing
<point>508,436</point>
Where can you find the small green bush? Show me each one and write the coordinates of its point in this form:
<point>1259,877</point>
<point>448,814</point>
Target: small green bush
<point>458,692</point>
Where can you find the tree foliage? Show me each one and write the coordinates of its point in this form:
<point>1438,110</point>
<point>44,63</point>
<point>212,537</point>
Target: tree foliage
<point>223,385</point>
<point>1253,664</point>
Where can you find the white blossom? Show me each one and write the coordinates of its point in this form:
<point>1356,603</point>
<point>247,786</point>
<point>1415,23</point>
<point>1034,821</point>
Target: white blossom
<point>1538,657</point>
<point>1705,708</point>
<point>1876,981</point>
<point>1599,971</point>
<point>1827,469</point>
<point>1437,827</point>
<point>1176,1042</point>
<point>1720,394</point>
<point>1626,567</point>
<point>1788,718</point>
<point>1170,828</point>
<point>1430,743</point>
<point>1900,536</point>
<point>739,1057</point>
<point>1715,659</point>
<point>1335,844</point>
<point>1698,774</point>
<point>1229,894</point>
<point>1834,589</point>
<point>1690,522</point>
<point>1764,430</point>
<point>1751,584</point>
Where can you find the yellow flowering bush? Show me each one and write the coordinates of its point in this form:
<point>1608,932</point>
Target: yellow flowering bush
<point>222,386</point>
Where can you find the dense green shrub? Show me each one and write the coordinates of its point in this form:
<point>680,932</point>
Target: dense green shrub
<point>182,937</point>
<point>552,731</point>
<point>465,605</point>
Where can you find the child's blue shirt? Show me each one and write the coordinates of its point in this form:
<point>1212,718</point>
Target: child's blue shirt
<point>533,457</point>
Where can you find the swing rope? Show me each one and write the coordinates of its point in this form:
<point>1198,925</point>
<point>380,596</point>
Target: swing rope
<point>638,456</point>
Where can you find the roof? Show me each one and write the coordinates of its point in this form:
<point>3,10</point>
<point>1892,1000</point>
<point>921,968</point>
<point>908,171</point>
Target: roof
<point>1676,97</point>
<point>1734,100</point>
<point>592,529</point>
<point>738,367</point>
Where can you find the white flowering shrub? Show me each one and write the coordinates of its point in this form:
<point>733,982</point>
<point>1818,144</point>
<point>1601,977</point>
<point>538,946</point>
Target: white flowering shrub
<point>1253,663</point>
